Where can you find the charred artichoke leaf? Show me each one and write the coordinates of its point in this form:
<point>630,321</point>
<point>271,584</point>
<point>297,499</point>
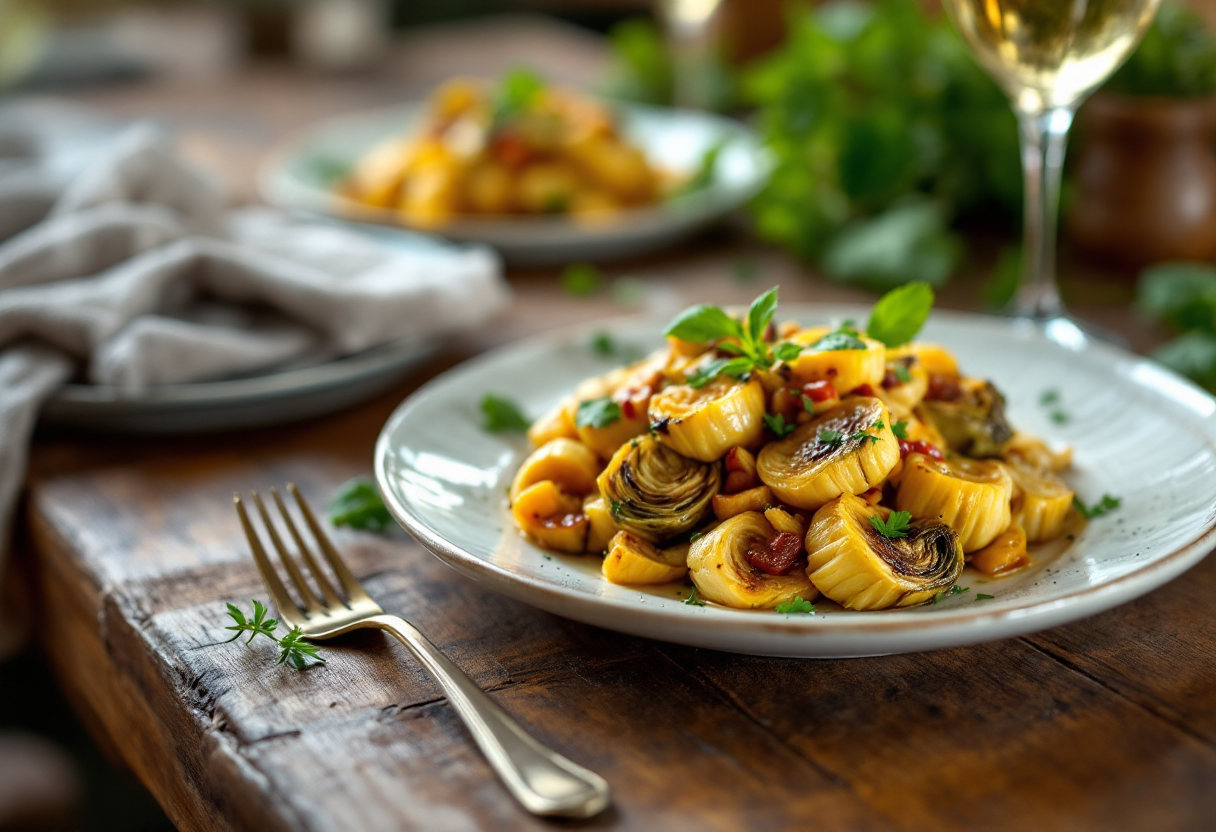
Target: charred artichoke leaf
<point>854,564</point>
<point>718,565</point>
<point>656,493</point>
<point>975,424</point>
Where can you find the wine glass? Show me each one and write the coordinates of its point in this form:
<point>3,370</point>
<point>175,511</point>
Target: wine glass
<point>1047,55</point>
<point>689,25</point>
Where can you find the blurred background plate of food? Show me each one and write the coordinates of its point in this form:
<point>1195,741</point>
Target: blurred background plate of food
<point>543,174</point>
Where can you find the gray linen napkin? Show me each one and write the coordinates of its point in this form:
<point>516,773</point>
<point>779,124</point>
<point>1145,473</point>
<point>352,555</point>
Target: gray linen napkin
<point>136,274</point>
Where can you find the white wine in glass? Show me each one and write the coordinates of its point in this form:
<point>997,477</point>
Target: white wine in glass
<point>1048,55</point>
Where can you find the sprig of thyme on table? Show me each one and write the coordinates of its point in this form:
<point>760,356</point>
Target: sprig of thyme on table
<point>294,650</point>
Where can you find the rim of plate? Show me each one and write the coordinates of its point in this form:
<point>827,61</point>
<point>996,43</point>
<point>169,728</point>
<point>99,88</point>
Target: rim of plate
<point>1098,597</point>
<point>279,187</point>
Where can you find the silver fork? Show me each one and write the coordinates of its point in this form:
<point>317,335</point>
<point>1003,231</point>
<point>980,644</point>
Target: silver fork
<point>545,782</point>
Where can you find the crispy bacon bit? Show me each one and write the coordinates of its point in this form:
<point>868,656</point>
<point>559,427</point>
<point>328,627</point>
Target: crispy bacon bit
<point>819,391</point>
<point>943,389</point>
<point>862,390</point>
<point>918,446</point>
<point>777,555</point>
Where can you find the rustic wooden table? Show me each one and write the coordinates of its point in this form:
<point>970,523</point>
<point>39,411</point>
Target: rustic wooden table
<point>133,545</point>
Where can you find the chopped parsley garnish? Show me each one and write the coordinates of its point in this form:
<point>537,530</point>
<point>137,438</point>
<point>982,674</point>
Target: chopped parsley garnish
<point>614,507</point>
<point>602,344</point>
<point>517,91</point>
<point>901,373</point>
<point>896,525</point>
<point>581,279</point>
<point>900,313</point>
<point>1059,417</point>
<point>954,590</point>
<point>807,403</point>
<point>1099,509</point>
<point>694,599</point>
<point>979,596</point>
<point>900,429</point>
<point>830,437</point>
<point>696,536</point>
<point>597,413</point>
<point>502,415</point>
<point>1049,397</point>
<point>796,605</point>
<point>294,650</point>
<point>778,425</point>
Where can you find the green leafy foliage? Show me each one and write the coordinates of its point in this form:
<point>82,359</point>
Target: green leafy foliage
<point>357,504</point>
<point>954,590</point>
<point>778,425</point>
<point>517,90</point>
<point>704,323</point>
<point>896,525</point>
<point>297,652</point>
<point>1099,509</point>
<point>259,625</point>
<point>839,340</point>
<point>1183,296</point>
<point>694,599</point>
<point>1176,58</point>
<point>795,605</point>
<point>293,649</point>
<point>900,313</point>
<point>830,437</point>
<point>597,413</point>
<point>502,415</point>
<point>582,279</point>
<point>705,173</point>
<point>642,68</point>
<point>900,429</point>
<point>883,130</point>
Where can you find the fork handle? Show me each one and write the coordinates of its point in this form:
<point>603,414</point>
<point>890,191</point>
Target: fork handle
<point>545,782</point>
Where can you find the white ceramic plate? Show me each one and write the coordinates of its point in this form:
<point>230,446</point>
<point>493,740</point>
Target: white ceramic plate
<point>300,176</point>
<point>1139,432</point>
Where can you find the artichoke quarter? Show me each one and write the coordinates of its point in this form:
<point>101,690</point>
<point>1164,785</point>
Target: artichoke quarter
<point>656,493</point>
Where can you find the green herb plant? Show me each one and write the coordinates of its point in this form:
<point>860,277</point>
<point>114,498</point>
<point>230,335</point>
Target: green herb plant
<point>895,526</point>
<point>1183,297</point>
<point>502,415</point>
<point>795,605</point>
<point>293,649</point>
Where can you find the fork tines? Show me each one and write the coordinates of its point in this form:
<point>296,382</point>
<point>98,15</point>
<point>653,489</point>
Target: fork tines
<point>310,604</point>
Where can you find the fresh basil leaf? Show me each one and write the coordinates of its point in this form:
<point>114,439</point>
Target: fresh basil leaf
<point>719,366</point>
<point>787,351</point>
<point>358,505</point>
<point>836,341</point>
<point>900,314</point>
<point>703,322</point>
<point>597,413</point>
<point>517,91</point>
<point>760,314</point>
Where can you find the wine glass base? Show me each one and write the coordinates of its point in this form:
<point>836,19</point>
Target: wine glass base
<point>1073,332</point>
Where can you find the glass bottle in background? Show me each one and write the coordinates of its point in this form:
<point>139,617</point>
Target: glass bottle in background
<point>1047,55</point>
<point>690,28</point>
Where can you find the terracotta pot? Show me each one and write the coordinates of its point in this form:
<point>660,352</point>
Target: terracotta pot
<point>1145,180</point>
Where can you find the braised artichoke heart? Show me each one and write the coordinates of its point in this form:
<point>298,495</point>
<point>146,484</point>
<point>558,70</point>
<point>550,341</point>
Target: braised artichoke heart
<point>847,449</point>
<point>971,496</point>
<point>655,492</point>
<point>852,563</point>
<point>719,565</point>
<point>974,423</point>
<point>705,422</point>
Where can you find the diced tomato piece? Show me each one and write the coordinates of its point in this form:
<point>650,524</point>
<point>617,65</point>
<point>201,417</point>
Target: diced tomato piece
<point>918,446</point>
<point>511,150</point>
<point>786,403</point>
<point>819,391</point>
<point>943,389</point>
<point>890,379</point>
<point>862,390</point>
<point>777,555</point>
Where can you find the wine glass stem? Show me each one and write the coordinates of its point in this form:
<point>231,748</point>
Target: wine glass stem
<point>1043,135</point>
